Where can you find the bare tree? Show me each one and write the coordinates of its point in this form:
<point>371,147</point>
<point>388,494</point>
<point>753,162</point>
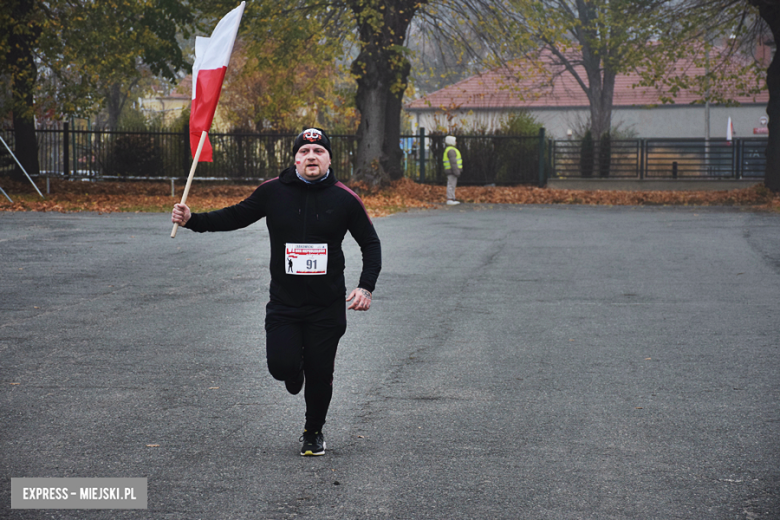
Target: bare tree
<point>593,41</point>
<point>745,26</point>
<point>382,68</point>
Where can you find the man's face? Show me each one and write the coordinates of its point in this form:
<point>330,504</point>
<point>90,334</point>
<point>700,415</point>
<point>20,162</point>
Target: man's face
<point>312,161</point>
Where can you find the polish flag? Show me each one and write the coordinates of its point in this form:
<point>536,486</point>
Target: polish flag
<point>212,56</point>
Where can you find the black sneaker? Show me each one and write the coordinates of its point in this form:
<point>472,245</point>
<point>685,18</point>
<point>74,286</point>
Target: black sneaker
<point>294,385</point>
<point>313,443</point>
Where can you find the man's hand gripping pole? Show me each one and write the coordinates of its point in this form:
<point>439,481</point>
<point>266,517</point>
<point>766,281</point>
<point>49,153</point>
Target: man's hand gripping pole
<point>189,179</point>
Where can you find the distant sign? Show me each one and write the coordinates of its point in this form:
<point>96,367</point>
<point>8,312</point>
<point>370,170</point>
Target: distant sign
<point>763,130</point>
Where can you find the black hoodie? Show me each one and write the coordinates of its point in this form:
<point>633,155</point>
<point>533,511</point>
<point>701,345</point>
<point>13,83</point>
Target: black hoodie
<point>297,212</point>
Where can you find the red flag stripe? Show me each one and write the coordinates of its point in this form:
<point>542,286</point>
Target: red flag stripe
<point>207,94</point>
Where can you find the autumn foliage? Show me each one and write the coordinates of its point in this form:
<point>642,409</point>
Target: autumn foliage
<point>402,195</point>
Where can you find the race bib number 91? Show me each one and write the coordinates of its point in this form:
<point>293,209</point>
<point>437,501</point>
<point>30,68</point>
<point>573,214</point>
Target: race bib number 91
<point>306,258</point>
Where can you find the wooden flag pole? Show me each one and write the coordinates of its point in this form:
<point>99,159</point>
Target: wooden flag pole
<point>189,179</point>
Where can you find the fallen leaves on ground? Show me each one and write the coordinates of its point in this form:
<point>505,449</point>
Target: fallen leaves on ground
<point>402,195</point>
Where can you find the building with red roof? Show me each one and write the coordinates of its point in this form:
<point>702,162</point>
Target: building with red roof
<point>556,100</point>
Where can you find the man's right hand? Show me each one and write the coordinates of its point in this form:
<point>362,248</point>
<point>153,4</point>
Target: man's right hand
<point>181,214</point>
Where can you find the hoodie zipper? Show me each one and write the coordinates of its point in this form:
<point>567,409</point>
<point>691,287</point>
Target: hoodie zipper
<point>305,215</point>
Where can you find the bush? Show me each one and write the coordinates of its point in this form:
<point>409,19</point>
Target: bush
<point>520,123</point>
<point>510,154</point>
<point>134,155</point>
<point>479,160</point>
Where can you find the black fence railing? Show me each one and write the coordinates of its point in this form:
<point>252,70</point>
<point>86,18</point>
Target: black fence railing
<point>500,160</point>
<point>488,159</point>
<point>742,158</point>
<point>102,154</point>
<point>110,155</point>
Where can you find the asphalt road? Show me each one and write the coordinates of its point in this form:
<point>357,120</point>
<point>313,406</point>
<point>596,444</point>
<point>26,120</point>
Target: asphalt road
<point>519,362</point>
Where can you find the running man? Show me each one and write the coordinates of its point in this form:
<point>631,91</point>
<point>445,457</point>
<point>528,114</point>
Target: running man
<point>308,212</point>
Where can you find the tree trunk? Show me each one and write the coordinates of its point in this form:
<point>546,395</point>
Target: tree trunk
<point>391,148</point>
<point>24,75</point>
<point>115,102</point>
<point>600,89</point>
<point>770,12</point>
<point>601,107</point>
<point>382,72</point>
<point>25,147</point>
<point>601,120</point>
<point>371,102</point>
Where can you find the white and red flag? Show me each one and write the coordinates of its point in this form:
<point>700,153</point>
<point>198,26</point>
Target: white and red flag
<point>729,131</point>
<point>212,56</point>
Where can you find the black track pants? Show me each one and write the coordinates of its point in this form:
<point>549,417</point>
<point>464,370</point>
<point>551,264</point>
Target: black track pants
<point>306,335</point>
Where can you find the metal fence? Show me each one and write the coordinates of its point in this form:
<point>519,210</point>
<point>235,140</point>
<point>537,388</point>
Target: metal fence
<point>487,159</point>
<point>110,155</point>
<point>500,160</point>
<point>743,158</point>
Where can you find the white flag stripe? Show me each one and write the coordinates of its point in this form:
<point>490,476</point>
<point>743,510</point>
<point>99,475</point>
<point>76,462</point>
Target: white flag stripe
<point>214,52</point>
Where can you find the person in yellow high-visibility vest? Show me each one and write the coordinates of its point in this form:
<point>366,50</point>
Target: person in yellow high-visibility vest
<point>453,166</point>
